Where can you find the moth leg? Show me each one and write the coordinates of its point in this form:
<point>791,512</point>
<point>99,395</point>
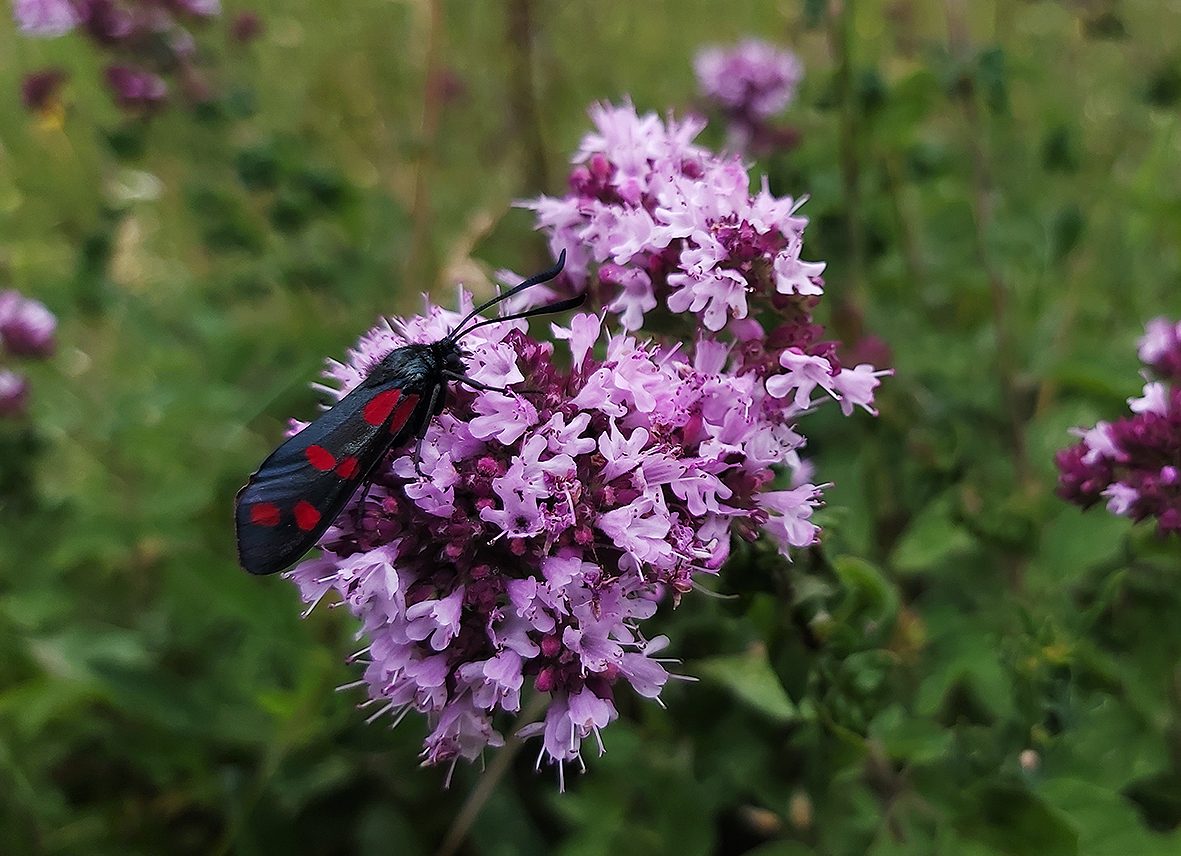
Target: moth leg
<point>423,429</point>
<point>475,384</point>
<point>359,509</point>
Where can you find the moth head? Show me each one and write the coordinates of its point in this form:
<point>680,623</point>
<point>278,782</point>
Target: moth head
<point>450,356</point>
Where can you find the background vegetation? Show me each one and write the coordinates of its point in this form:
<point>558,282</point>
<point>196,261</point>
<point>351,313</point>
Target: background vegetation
<point>966,666</point>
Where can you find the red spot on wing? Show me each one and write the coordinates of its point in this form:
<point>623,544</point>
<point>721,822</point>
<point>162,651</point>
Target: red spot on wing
<point>306,515</point>
<point>264,514</point>
<point>381,406</point>
<point>320,458</point>
<point>348,468</point>
<point>402,414</point>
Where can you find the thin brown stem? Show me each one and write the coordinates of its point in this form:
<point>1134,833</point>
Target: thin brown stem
<point>841,37</point>
<point>525,116</point>
<point>286,737</point>
<point>982,218</point>
<point>420,265</point>
<point>1047,390</point>
<point>497,770</point>
<point>908,230</point>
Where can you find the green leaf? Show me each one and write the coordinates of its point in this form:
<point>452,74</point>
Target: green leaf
<point>965,669</point>
<point>1107,823</point>
<point>815,12</point>
<point>932,540</point>
<point>78,654</point>
<point>867,591</point>
<point>1074,542</point>
<point>993,78</point>
<point>750,678</point>
<point>504,828</point>
<point>1017,822</point>
<point>382,825</point>
<point>910,738</point>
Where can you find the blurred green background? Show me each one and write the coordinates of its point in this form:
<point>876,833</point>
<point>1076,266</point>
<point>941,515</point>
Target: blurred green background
<point>965,666</point>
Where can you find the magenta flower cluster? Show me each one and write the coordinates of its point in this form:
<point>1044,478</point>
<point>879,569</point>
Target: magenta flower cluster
<point>1134,463</point>
<point>26,331</point>
<point>147,42</point>
<point>547,528</point>
<point>749,83</point>
<point>652,218</point>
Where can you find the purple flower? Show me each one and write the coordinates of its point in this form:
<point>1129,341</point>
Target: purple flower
<point>142,42</point>
<point>855,387</point>
<point>197,8</point>
<point>652,216</point>
<point>804,374</point>
<point>245,27</point>
<point>39,90</point>
<point>26,330</point>
<point>749,83</point>
<point>519,516</point>
<point>545,530</point>
<point>1160,348</point>
<point>47,18</point>
<point>788,515</point>
<point>753,77</point>
<point>548,529</point>
<point>109,23</point>
<point>134,88</point>
<point>1134,463</point>
<point>26,326</point>
<point>505,417</point>
<point>438,619</point>
<point>14,393</point>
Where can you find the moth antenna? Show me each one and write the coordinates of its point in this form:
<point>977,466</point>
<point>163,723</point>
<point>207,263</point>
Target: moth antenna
<point>536,279</point>
<point>548,309</point>
<point>475,384</point>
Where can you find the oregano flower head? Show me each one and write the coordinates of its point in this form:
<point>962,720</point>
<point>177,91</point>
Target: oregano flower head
<point>548,527</point>
<point>1134,463</point>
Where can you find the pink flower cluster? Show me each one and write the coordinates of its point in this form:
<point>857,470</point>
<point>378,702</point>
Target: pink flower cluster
<point>548,527</point>
<point>749,83</point>
<point>148,40</point>
<point>653,218</point>
<point>1134,463</point>
<point>26,330</point>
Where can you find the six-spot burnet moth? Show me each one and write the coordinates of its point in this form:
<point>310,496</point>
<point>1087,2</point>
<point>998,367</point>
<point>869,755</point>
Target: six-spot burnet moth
<point>301,488</point>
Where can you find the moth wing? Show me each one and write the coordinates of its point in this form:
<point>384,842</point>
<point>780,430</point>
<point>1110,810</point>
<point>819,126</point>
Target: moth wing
<point>300,489</point>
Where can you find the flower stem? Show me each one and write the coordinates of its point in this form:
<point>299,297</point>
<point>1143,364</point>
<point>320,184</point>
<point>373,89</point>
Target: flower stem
<point>474,804</point>
<point>908,225</point>
<point>841,36</point>
<point>526,118</point>
<point>420,262</point>
<point>982,217</point>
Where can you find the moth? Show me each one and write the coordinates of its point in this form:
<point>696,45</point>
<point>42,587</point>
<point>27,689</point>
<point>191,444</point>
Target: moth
<point>297,492</point>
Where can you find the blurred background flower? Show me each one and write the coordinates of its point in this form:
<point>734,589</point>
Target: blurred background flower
<point>1134,463</point>
<point>750,83</point>
<point>26,332</point>
<point>143,41</point>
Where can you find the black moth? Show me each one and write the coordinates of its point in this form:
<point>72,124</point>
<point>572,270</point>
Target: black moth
<point>301,488</point>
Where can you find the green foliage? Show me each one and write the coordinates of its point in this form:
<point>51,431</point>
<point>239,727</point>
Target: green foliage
<point>964,666</point>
